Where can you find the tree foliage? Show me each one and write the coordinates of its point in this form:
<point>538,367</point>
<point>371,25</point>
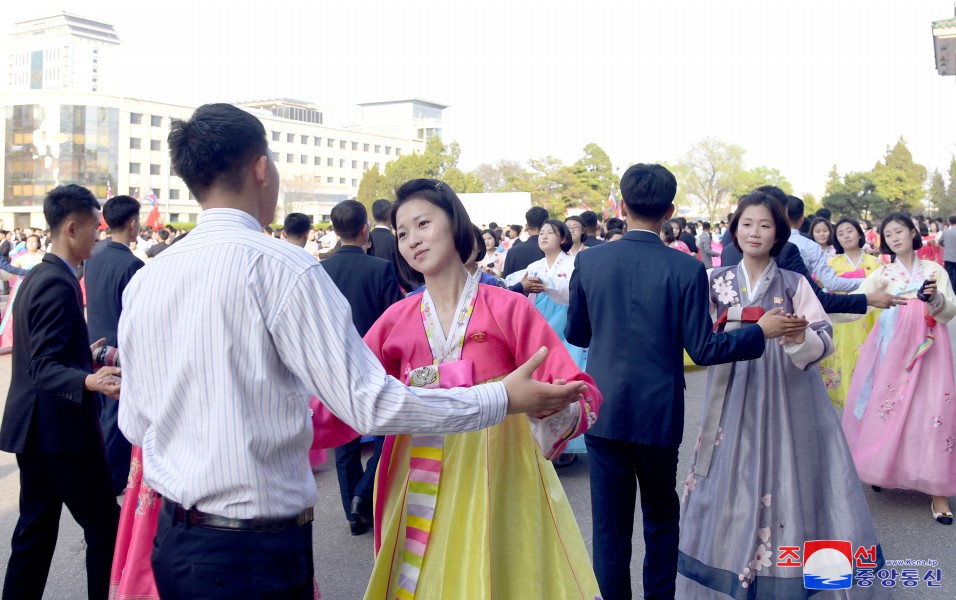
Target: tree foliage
<point>854,196</point>
<point>899,179</point>
<point>373,186</point>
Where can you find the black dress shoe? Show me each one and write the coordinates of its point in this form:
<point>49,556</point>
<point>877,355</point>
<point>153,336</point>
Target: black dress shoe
<point>358,512</point>
<point>358,527</point>
<point>876,488</point>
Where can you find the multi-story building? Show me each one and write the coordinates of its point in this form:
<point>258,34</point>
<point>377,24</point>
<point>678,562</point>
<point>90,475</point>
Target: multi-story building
<point>944,46</point>
<point>66,131</point>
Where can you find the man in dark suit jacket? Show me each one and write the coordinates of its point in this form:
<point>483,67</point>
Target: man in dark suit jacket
<point>371,286</point>
<point>637,305</point>
<point>523,254</point>
<point>591,229</point>
<point>107,274</point>
<point>383,244</point>
<point>50,419</point>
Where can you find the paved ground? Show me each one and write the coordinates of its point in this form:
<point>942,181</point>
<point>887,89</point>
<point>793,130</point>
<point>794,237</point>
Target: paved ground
<point>343,562</point>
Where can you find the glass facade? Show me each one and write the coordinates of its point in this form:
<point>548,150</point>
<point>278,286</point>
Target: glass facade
<point>56,144</point>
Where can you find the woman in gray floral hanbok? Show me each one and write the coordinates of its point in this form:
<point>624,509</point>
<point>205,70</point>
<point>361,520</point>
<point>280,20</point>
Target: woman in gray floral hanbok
<point>772,469</point>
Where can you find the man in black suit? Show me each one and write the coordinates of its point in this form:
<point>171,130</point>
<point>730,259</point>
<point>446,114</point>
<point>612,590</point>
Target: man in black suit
<point>638,304</point>
<point>50,418</point>
<point>370,285</point>
<point>383,244</point>
<point>591,229</point>
<point>107,274</point>
<point>523,254</point>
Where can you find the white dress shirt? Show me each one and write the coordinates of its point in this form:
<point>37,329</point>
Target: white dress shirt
<point>225,335</point>
<point>816,262</point>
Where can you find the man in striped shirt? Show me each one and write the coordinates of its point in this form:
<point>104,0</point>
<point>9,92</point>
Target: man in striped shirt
<point>219,401</point>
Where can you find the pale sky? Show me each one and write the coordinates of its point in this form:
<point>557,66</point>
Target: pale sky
<point>800,85</point>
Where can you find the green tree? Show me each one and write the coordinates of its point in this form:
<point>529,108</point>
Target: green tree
<point>503,176</point>
<point>899,179</point>
<point>594,172</point>
<point>855,197</point>
<point>710,173</point>
<point>748,181</point>
<point>373,186</point>
<point>938,200</point>
<point>950,208</point>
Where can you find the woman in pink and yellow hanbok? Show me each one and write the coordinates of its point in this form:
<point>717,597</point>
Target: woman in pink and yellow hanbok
<point>473,515</point>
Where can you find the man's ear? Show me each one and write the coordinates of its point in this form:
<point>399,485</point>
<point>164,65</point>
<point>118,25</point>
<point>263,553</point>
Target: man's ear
<point>260,170</point>
<point>670,212</point>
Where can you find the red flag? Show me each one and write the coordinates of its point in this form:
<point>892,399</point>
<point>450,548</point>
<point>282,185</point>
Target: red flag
<point>103,224</point>
<point>154,220</point>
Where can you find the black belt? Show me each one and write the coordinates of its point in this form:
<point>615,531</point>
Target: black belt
<point>197,518</point>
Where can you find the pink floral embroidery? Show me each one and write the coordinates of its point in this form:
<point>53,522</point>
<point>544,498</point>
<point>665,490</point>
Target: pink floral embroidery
<point>936,422</point>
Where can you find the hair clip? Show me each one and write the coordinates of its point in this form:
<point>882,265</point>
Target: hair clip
<point>438,185</point>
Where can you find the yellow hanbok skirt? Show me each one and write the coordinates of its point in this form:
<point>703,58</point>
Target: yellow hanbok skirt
<point>837,369</point>
<point>503,527</point>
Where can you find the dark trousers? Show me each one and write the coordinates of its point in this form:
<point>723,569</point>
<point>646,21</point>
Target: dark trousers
<point>47,482</point>
<point>951,271</point>
<point>353,479</point>
<point>118,448</point>
<point>617,469</point>
<point>196,563</point>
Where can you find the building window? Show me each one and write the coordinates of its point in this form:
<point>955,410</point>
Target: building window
<point>155,145</point>
<point>275,155</point>
<point>388,149</point>
<point>342,180</point>
<point>154,169</point>
<point>316,140</point>
<point>135,118</point>
<point>354,145</point>
<point>304,159</point>
<point>331,143</point>
<point>156,193</point>
<point>378,166</point>
<point>134,192</point>
<point>174,194</point>
<point>290,158</point>
<point>377,148</point>
<point>342,145</point>
<point>355,183</point>
<point>303,139</point>
<point>398,151</point>
<point>155,121</point>
<point>290,137</point>
<point>365,147</point>
<point>317,161</point>
<point>341,163</point>
<point>276,136</point>
<point>329,180</point>
<point>329,162</point>
<point>354,164</point>
<point>134,168</point>
<point>135,143</point>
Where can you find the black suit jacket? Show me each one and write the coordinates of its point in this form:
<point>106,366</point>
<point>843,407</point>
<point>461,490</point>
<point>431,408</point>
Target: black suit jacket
<point>790,259</point>
<point>638,304</point>
<point>48,410</point>
<point>521,255</point>
<point>368,283</point>
<point>107,274</point>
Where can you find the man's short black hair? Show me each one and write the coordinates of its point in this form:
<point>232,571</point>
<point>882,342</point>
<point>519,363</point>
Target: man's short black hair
<point>536,216</point>
<point>297,225</point>
<point>648,190</point>
<point>515,228</point>
<point>589,217</point>
<point>163,234</point>
<point>794,209</point>
<point>118,211</point>
<point>215,146</point>
<point>66,200</point>
<point>782,233</point>
<point>952,219</point>
<point>492,225</point>
<point>381,209</point>
<point>705,225</point>
<point>614,223</point>
<point>825,213</point>
<point>441,195</point>
<point>348,219</point>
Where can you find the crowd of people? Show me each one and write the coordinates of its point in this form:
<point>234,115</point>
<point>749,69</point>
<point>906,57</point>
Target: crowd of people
<point>475,360</point>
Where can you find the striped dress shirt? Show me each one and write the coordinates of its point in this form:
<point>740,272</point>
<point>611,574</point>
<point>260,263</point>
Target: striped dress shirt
<point>225,335</point>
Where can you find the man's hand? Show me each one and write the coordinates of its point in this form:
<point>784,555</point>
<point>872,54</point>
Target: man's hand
<point>526,395</point>
<point>777,323</point>
<point>794,338</point>
<point>883,299</point>
<point>531,285</point>
<point>105,381</point>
